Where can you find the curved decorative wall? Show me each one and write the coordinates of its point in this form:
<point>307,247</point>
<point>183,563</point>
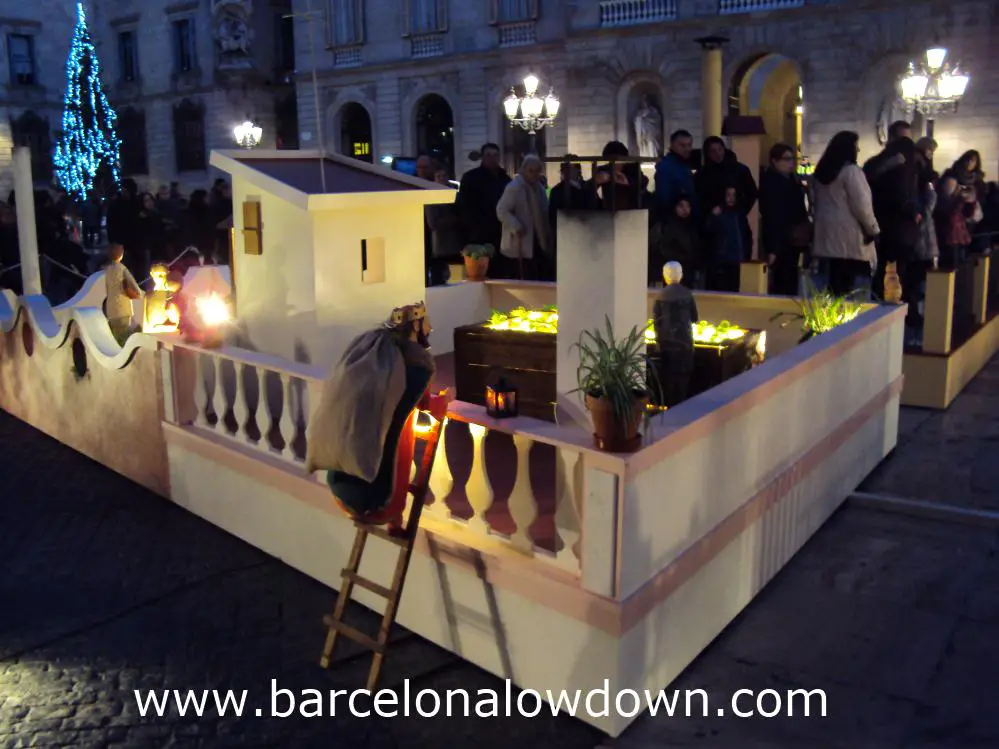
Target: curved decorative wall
<point>69,378</point>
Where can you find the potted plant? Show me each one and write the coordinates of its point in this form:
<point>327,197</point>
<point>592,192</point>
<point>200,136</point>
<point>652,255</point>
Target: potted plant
<point>821,311</point>
<point>477,260</point>
<point>614,377</point>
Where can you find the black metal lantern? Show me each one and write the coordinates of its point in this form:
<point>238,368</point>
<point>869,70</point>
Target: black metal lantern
<point>501,399</point>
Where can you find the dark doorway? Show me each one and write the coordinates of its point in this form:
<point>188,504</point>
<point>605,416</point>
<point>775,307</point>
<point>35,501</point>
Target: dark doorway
<point>355,133</point>
<point>435,130</point>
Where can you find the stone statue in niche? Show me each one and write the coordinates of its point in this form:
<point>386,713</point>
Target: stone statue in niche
<point>648,128</point>
<point>232,32</point>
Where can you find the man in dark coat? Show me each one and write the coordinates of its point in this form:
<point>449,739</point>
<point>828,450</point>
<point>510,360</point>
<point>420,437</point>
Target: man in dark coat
<point>480,191</point>
<point>722,170</point>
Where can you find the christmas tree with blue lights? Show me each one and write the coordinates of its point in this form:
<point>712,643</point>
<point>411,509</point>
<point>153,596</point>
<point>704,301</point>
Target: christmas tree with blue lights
<point>89,137</point>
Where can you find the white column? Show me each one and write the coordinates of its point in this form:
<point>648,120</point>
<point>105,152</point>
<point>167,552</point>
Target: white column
<point>604,274</point>
<point>27,237</point>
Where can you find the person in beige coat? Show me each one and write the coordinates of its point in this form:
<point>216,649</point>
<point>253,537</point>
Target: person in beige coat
<point>845,226</point>
<point>523,211</point>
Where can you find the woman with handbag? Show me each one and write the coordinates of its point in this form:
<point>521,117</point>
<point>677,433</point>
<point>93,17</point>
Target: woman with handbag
<point>786,229</point>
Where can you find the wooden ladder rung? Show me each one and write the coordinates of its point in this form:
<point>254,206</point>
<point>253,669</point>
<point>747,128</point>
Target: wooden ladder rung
<point>382,533</point>
<point>356,635</point>
<point>365,583</point>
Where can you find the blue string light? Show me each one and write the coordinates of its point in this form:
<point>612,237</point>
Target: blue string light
<point>89,137</point>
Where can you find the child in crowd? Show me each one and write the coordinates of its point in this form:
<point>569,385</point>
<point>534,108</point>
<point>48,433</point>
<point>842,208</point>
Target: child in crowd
<point>679,241</point>
<point>731,243</point>
<point>121,289</point>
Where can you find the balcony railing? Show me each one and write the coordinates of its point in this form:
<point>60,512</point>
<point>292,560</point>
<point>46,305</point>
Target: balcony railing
<point>727,7</point>
<point>634,12</point>
<point>518,34</point>
<point>502,487</point>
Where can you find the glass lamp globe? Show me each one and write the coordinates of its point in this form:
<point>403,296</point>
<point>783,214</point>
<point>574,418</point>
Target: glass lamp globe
<point>913,85</point>
<point>531,84</point>
<point>511,104</point>
<point>551,105</point>
<point>935,58</point>
<point>532,106</point>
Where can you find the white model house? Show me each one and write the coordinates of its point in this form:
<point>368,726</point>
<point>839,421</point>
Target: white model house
<point>324,248</point>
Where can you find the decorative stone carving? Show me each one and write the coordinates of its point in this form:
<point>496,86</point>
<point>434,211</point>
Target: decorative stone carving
<point>648,124</point>
<point>233,32</point>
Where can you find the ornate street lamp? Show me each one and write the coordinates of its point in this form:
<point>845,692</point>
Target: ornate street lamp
<point>247,135</point>
<point>933,86</point>
<point>530,111</point>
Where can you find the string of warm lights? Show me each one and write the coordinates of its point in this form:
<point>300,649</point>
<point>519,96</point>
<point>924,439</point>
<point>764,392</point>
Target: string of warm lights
<point>89,136</point>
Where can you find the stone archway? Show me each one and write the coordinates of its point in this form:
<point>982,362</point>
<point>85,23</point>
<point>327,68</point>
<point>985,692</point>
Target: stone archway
<point>769,85</point>
<point>433,127</point>
<point>353,132</point>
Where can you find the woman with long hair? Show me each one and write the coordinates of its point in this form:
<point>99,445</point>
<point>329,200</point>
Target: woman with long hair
<point>845,227</point>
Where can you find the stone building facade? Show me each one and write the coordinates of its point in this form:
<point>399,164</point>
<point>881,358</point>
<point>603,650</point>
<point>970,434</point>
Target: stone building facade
<point>380,61</point>
<point>180,74</point>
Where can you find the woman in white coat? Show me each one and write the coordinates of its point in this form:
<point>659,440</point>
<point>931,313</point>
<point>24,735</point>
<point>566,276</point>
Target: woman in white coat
<point>523,212</point>
<point>845,227</point>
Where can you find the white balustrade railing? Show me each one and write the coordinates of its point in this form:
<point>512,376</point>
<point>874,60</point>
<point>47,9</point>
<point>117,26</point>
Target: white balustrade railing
<point>253,402</point>
<point>538,515</point>
<point>727,7</point>
<point>263,403</point>
<point>633,12</point>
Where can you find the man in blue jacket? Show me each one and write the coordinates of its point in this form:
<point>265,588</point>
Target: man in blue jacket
<point>673,174</point>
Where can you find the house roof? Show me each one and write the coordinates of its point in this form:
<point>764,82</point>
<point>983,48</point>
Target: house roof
<point>297,177</point>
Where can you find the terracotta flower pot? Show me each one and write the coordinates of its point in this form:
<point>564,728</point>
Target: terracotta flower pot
<point>476,267</point>
<point>609,434</point>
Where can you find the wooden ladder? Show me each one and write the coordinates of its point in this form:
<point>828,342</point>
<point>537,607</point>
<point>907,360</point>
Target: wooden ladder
<point>404,539</point>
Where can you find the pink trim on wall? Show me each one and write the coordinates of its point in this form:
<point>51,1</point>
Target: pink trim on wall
<point>489,559</point>
<point>530,579</point>
<point>644,600</point>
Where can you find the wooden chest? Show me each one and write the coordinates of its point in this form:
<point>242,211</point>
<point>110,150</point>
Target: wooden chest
<point>527,360</point>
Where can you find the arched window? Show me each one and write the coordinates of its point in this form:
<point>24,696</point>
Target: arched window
<point>435,130</point>
<point>189,136</point>
<point>32,131</point>
<point>132,130</point>
<point>355,132</point>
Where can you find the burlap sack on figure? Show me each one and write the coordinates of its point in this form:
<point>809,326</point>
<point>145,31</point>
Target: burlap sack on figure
<point>347,432</point>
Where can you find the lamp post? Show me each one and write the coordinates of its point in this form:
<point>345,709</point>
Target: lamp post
<point>247,135</point>
<point>933,86</point>
<point>530,111</point>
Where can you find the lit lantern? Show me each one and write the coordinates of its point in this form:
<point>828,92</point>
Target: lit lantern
<point>160,314</point>
<point>212,312</point>
<point>501,400</point>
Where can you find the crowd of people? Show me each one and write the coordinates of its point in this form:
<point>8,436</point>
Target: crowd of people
<point>844,225</point>
<point>151,228</point>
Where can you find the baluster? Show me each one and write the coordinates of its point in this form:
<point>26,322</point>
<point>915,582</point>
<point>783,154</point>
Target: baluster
<point>441,480</point>
<point>219,404</point>
<point>240,408</point>
<point>568,465</point>
<point>202,364</point>
<point>522,504</point>
<point>478,489</point>
<point>289,424</point>
<point>273,410</point>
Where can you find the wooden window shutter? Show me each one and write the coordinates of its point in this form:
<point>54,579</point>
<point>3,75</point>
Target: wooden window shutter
<point>252,228</point>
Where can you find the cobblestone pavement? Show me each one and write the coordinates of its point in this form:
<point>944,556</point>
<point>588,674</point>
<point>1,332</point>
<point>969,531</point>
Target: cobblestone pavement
<point>106,588</point>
